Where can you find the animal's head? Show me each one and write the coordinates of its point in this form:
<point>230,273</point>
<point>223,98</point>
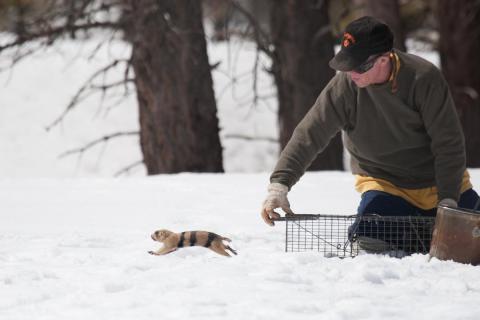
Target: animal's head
<point>161,235</point>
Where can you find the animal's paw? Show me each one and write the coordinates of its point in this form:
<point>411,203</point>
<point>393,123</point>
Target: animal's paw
<point>151,252</point>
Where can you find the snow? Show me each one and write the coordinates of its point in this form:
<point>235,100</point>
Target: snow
<point>74,240</point>
<point>77,248</point>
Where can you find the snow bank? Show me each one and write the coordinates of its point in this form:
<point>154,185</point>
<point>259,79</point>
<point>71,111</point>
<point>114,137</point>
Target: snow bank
<point>76,249</point>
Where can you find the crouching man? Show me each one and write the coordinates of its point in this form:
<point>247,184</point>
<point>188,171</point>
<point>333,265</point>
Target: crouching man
<point>400,127</point>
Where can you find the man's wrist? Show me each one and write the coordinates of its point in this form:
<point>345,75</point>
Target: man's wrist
<point>277,187</point>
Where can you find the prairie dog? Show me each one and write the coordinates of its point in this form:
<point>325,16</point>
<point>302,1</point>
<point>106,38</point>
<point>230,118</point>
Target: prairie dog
<point>172,241</point>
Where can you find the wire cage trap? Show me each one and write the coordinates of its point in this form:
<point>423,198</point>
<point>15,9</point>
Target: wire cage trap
<point>349,236</point>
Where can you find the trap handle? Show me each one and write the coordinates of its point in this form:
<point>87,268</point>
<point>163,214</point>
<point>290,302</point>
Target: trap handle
<point>290,217</point>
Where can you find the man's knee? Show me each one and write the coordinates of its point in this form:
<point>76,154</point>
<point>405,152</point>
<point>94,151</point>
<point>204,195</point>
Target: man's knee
<point>469,200</point>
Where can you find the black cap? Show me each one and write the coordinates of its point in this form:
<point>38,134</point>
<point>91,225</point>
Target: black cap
<point>362,38</point>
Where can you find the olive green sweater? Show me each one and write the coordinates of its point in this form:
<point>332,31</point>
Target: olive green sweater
<point>411,137</point>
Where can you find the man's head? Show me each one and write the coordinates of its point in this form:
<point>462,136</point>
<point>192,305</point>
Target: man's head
<point>376,69</point>
<point>365,50</point>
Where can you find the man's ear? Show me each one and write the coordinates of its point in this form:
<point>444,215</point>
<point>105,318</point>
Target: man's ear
<point>385,59</point>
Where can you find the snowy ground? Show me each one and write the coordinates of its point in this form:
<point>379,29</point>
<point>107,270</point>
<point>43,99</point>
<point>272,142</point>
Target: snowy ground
<point>74,241</point>
<point>77,249</point>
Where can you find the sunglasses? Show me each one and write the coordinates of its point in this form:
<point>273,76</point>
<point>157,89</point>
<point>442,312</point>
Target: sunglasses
<point>367,65</point>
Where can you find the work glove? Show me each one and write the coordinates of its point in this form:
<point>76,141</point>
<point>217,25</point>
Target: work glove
<point>276,198</point>
<point>448,202</point>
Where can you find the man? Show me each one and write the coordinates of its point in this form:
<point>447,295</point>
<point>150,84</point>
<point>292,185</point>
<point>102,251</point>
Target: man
<point>399,124</point>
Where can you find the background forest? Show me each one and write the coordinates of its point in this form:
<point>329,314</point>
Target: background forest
<point>170,65</point>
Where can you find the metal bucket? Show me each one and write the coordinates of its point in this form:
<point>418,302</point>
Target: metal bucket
<point>456,235</point>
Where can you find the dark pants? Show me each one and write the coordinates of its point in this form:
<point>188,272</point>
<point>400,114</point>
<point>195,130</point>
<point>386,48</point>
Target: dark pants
<point>397,223</point>
<point>385,204</point>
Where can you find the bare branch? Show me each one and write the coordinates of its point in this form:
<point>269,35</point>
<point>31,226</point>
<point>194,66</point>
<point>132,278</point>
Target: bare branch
<point>93,143</point>
<point>255,77</point>
<point>79,96</point>
<point>128,168</point>
<point>260,36</point>
<point>52,33</point>
<point>17,56</point>
<point>100,45</point>
<point>250,138</point>
<point>126,76</point>
<point>118,102</point>
<point>112,85</point>
<point>107,87</point>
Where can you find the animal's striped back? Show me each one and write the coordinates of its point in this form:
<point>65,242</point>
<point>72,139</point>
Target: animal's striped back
<point>197,238</point>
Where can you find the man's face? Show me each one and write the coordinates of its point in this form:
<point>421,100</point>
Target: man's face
<point>374,75</point>
<point>362,80</point>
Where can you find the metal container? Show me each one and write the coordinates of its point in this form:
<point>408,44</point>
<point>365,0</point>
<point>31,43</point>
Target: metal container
<point>456,235</point>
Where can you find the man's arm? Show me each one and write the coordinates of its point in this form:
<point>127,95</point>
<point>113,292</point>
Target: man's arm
<point>323,121</point>
<point>327,116</point>
<point>443,126</point>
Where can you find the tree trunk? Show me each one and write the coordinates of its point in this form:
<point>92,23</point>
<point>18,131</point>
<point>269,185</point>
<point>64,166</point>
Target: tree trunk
<point>178,121</point>
<point>303,45</point>
<point>459,47</point>
<point>388,11</point>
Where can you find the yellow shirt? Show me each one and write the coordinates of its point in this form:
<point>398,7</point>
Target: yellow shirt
<point>425,198</point>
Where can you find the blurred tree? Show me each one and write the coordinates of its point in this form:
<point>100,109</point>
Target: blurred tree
<point>179,125</point>
<point>219,13</point>
<point>299,42</point>
<point>459,26</point>
<point>16,14</point>
<point>227,19</point>
<point>178,122</point>
<point>303,46</point>
<point>389,12</point>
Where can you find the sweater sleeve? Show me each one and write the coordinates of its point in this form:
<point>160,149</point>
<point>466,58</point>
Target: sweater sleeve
<point>312,135</point>
<point>441,121</point>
